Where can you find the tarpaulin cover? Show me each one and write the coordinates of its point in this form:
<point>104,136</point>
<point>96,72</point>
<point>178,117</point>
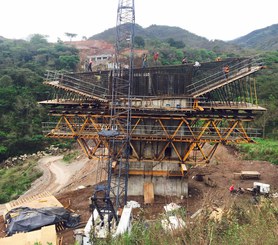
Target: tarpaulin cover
<point>24,219</point>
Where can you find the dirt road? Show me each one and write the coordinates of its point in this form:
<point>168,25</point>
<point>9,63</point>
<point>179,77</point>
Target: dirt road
<point>57,175</point>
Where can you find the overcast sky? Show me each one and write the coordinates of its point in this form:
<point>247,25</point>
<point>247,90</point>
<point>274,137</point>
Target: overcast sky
<point>213,19</point>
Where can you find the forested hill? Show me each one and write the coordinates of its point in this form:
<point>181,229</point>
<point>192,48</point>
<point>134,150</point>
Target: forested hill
<point>22,68</point>
<point>262,39</point>
<point>163,33</point>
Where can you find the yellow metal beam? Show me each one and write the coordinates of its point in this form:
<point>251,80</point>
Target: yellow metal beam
<point>85,129</point>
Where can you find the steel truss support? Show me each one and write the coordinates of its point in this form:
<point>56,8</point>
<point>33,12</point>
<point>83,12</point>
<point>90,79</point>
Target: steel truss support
<point>183,137</point>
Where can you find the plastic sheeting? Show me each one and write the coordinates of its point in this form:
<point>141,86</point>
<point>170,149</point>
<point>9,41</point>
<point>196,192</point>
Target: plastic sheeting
<point>108,133</point>
<point>24,219</point>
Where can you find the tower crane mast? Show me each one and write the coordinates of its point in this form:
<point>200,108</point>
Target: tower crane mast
<point>112,194</point>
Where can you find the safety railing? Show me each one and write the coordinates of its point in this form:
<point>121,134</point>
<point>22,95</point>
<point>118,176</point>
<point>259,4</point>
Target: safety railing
<point>154,131</point>
<point>237,70</point>
<point>92,89</point>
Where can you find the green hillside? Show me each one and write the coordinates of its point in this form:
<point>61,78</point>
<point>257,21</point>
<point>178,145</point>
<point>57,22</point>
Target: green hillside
<point>262,39</point>
<point>23,65</point>
<point>163,33</point>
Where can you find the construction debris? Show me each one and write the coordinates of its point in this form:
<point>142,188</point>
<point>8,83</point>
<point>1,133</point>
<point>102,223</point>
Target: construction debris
<point>125,222</point>
<point>43,213</point>
<point>133,204</point>
<point>197,213</point>
<point>172,223</point>
<point>101,229</point>
<point>216,214</point>
<point>209,182</point>
<point>78,234</point>
<point>171,207</point>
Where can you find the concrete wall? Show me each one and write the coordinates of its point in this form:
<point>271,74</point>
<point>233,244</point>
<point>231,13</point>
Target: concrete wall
<point>152,127</point>
<point>162,186</point>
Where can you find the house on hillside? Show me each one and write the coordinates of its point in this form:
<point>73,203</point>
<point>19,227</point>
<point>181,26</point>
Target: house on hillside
<point>99,51</point>
<point>102,54</point>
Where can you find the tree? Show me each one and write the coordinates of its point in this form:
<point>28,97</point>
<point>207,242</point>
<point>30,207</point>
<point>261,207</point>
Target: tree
<point>70,35</point>
<point>139,42</point>
<point>175,44</point>
<point>38,39</point>
<point>69,61</point>
<point>6,81</point>
<point>21,88</point>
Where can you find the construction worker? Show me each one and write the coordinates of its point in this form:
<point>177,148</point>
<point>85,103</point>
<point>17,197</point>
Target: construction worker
<point>226,70</point>
<point>232,189</point>
<point>197,64</point>
<point>218,59</point>
<point>86,64</point>
<point>155,57</point>
<point>196,67</point>
<point>240,190</point>
<point>90,65</point>
<point>144,61</point>
<point>184,60</point>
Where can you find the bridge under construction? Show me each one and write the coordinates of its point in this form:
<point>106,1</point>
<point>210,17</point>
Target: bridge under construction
<point>175,111</point>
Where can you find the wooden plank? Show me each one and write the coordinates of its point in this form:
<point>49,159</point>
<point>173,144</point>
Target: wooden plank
<point>46,235</point>
<point>36,201</point>
<point>43,200</point>
<point>250,174</point>
<point>114,164</point>
<point>148,193</point>
<point>237,175</point>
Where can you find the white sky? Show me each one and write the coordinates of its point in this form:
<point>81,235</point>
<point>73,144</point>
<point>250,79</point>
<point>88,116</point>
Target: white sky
<point>213,19</point>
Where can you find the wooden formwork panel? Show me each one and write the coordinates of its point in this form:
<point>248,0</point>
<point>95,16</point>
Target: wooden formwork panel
<point>42,200</point>
<point>148,193</point>
<point>46,235</point>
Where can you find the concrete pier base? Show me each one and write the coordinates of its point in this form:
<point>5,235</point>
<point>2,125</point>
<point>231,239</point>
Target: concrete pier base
<point>164,186</point>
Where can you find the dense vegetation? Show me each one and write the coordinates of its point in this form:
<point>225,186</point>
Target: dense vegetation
<point>16,180</point>
<point>22,68</point>
<point>162,33</point>
<point>265,149</point>
<point>263,39</point>
<point>267,87</point>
